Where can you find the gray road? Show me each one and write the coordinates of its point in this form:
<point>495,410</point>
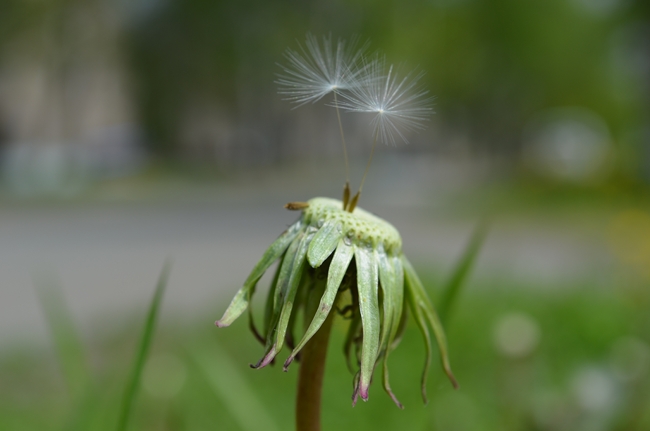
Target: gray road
<point>107,253</point>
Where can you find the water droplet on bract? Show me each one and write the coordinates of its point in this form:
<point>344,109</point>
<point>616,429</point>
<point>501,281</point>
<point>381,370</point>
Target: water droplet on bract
<point>321,222</point>
<point>347,240</point>
<point>339,228</point>
<point>312,229</point>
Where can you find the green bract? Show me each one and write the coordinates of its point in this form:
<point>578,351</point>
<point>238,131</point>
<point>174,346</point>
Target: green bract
<point>316,264</point>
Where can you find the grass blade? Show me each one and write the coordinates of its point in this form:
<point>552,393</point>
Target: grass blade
<point>226,380</point>
<point>70,350</point>
<point>452,288</point>
<point>64,334</point>
<point>143,349</point>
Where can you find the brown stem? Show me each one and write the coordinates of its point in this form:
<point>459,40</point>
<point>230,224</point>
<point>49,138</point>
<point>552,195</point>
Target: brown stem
<point>310,379</point>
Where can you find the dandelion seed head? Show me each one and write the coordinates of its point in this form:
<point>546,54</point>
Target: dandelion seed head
<point>318,68</point>
<point>400,104</point>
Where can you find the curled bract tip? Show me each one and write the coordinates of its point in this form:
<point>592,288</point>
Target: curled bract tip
<point>452,379</point>
<point>267,359</point>
<point>355,397</point>
<point>296,206</point>
<point>396,401</point>
<point>287,363</point>
<point>363,392</point>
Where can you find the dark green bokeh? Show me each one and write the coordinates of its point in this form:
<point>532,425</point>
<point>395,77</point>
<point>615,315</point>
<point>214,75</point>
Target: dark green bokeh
<point>579,330</point>
<point>492,65</point>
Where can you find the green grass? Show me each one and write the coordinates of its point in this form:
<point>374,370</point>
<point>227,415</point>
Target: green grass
<point>133,384</point>
<point>450,291</point>
<point>197,376</point>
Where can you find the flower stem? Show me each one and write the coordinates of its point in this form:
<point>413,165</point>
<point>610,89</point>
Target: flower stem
<point>310,379</point>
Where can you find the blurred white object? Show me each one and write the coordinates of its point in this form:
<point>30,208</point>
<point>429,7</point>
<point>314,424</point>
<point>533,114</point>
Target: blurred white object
<point>595,390</point>
<point>570,144</point>
<point>516,335</point>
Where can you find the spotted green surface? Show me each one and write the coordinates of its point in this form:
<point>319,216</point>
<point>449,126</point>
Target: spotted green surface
<point>359,227</point>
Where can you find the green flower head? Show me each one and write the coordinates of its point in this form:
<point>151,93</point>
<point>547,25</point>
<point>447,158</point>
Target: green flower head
<point>350,263</point>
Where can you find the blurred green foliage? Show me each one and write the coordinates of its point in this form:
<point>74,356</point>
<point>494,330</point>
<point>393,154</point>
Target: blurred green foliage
<point>575,374</point>
<point>492,64</point>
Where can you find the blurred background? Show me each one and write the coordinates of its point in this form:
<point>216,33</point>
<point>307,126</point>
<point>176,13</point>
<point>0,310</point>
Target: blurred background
<point>133,131</point>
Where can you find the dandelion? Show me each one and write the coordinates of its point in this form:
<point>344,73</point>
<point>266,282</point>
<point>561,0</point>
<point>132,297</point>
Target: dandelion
<point>337,259</point>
